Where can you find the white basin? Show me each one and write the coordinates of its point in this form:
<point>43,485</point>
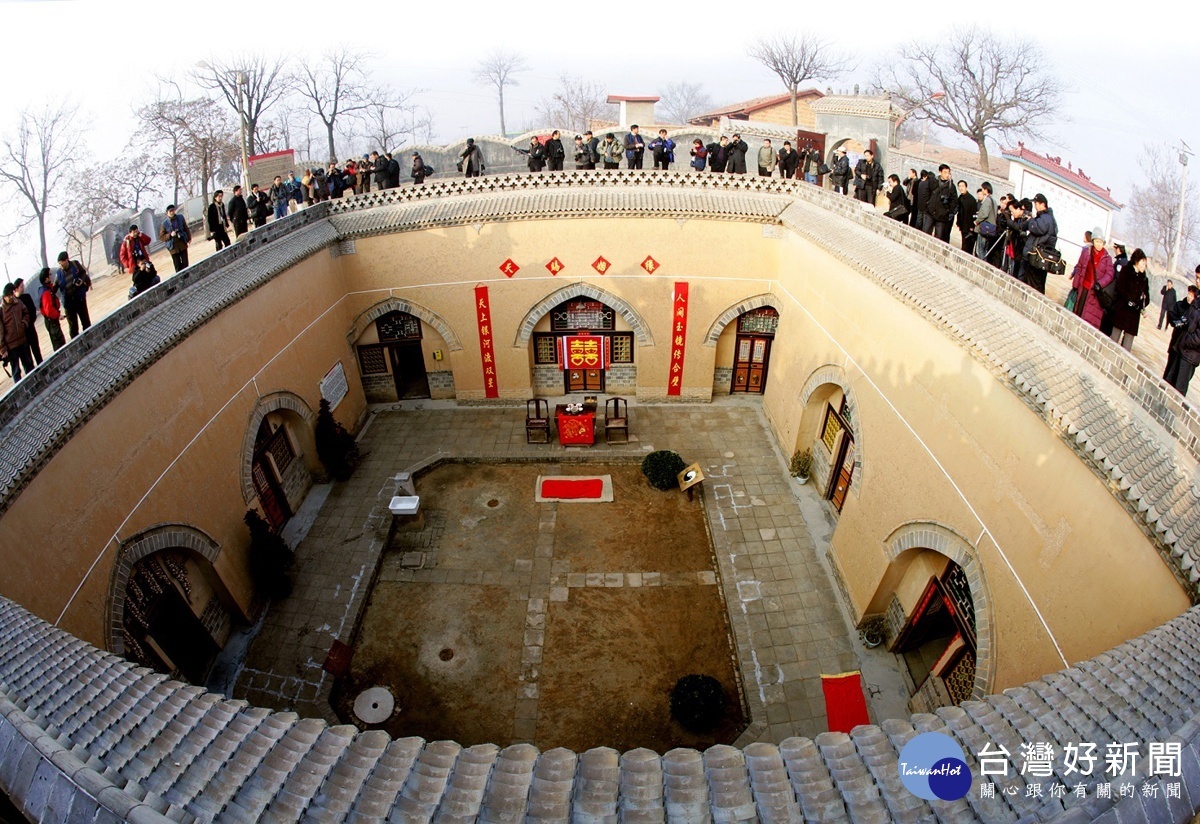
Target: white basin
<point>405,504</point>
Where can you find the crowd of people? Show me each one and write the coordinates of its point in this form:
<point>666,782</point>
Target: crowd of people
<point>1017,236</point>
<point>60,292</point>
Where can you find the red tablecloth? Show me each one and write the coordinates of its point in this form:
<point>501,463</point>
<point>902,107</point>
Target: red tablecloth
<point>573,488</point>
<point>575,430</point>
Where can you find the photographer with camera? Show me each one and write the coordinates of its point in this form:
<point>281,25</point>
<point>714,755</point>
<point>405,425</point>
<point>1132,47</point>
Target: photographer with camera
<point>73,282</point>
<point>135,258</point>
<point>174,232</point>
<point>1041,232</point>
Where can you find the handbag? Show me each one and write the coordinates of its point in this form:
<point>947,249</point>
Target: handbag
<point>1046,260</point>
<point>987,229</point>
<point>823,169</point>
<point>1072,297</point>
<point>1105,294</point>
<point>897,212</point>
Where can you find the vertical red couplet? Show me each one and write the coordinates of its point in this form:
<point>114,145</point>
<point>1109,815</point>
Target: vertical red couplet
<point>487,353</point>
<point>678,337</point>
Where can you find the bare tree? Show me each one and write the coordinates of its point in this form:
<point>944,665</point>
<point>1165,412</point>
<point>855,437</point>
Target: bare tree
<point>1153,207</point>
<point>35,161</point>
<point>387,118</point>
<point>499,68</point>
<point>975,84</point>
<point>335,89</point>
<point>575,104</point>
<point>683,101</point>
<point>796,59</point>
<point>199,137</point>
<point>88,202</point>
<point>266,82</point>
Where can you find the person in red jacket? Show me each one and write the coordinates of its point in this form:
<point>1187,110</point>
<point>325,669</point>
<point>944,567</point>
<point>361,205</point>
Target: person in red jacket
<point>135,248</point>
<point>51,310</point>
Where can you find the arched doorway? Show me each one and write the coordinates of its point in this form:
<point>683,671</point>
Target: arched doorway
<point>173,620</point>
<point>755,333</point>
<point>395,356</point>
<point>579,346</point>
<point>828,427</point>
<point>937,637</point>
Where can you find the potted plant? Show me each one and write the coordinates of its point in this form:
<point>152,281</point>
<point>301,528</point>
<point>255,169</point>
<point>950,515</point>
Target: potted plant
<point>801,465</point>
<point>336,447</point>
<point>873,631</point>
<point>662,469</point>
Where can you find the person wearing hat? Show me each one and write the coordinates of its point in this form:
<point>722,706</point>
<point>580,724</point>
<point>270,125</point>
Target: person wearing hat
<point>73,282</point>
<point>1093,272</point>
<point>14,340</point>
<point>174,232</point>
<point>839,171</point>
<point>471,159</point>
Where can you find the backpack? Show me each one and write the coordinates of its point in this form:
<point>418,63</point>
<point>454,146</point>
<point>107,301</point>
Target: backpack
<point>426,170</point>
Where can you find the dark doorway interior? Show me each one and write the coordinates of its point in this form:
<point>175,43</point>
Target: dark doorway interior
<point>408,370</point>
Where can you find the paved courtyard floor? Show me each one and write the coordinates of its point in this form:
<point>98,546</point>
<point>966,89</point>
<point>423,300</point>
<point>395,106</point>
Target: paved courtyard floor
<point>786,618</point>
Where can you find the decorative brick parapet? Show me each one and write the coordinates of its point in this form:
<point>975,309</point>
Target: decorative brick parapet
<point>82,730</point>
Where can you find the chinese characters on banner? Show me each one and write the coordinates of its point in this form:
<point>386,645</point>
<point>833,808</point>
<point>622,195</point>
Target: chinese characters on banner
<point>486,351</point>
<point>678,337</point>
<point>583,352</point>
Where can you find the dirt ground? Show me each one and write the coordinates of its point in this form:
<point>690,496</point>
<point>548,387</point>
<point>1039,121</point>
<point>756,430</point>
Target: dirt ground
<point>469,656</point>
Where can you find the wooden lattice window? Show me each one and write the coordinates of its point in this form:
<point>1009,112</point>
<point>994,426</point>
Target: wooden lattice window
<point>831,429</point>
<point>960,679</point>
<point>280,449</point>
<point>398,326</point>
<point>372,360</point>
<point>762,321</point>
<point>581,315</point>
<point>545,349</point>
<point>621,346</point>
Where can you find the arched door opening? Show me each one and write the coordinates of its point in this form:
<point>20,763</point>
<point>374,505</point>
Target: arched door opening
<point>937,638</point>
<point>581,346</point>
<point>395,353</point>
<point>173,621</point>
<point>752,350</point>
<point>829,430</point>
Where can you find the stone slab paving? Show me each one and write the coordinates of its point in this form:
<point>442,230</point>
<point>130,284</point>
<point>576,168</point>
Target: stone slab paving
<point>785,615</point>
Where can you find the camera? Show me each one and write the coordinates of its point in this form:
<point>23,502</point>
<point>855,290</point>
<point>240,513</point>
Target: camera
<point>77,283</point>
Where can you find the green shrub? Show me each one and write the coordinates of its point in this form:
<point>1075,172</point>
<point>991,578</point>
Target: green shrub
<point>336,447</point>
<point>662,469</point>
<point>270,559</point>
<point>698,702</point>
<point>801,465</point>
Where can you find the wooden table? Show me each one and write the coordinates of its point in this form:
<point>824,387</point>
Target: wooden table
<point>575,430</point>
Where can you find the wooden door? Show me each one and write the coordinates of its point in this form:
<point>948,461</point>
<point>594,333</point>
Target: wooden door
<point>584,380</point>
<point>270,495</point>
<point>843,471</point>
<point>751,358</point>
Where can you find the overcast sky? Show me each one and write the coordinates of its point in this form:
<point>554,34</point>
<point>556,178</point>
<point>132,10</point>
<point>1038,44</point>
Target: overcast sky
<point>1130,76</point>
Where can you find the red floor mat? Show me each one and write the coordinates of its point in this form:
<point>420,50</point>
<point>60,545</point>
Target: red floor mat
<point>845,705</point>
<point>582,488</point>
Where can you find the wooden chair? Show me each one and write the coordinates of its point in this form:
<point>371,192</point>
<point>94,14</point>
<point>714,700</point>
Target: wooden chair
<point>616,419</point>
<point>537,420</point>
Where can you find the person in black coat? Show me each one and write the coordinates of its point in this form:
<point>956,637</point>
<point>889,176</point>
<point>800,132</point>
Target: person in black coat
<point>910,192</point>
<point>839,172</point>
<point>924,220</point>
<point>898,205</point>
<point>943,203</point>
<point>735,154</point>
<point>788,161</point>
<point>259,205</point>
<point>1168,300</point>
<point>555,153</point>
<point>967,207</point>
<point>239,215</point>
<point>718,154</point>
<point>31,335</point>
<point>868,178</point>
<point>380,167</point>
<point>1177,320</point>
